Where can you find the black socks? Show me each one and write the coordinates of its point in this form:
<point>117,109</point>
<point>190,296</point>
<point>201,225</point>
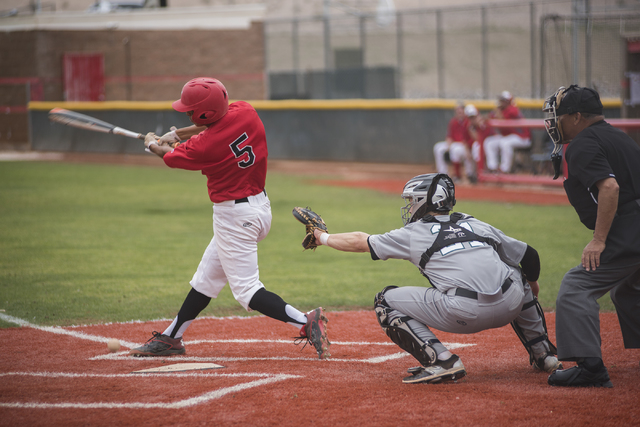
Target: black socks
<point>193,304</point>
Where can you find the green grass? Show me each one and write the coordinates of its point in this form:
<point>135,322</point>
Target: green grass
<point>101,243</point>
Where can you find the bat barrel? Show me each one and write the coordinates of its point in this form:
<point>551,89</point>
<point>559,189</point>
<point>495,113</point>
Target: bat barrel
<point>82,121</point>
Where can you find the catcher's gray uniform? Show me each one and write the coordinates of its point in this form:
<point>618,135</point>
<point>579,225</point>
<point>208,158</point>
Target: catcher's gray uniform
<point>476,287</point>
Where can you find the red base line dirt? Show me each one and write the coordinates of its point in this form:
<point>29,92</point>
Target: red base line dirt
<point>479,192</point>
<point>67,377</point>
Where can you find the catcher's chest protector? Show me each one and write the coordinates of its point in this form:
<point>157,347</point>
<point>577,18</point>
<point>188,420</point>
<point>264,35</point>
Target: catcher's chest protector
<point>450,234</point>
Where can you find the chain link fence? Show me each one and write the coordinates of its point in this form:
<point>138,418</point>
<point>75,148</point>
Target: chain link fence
<point>586,48</point>
<point>471,52</point>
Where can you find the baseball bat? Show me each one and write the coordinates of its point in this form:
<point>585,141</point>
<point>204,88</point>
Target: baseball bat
<point>82,121</point>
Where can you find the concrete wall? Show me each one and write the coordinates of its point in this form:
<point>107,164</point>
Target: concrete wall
<point>392,131</point>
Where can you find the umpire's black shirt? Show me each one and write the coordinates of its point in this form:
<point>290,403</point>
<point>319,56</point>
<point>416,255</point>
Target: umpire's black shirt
<point>599,152</point>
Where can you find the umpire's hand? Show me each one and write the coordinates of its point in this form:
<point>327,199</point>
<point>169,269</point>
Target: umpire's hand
<point>591,255</point>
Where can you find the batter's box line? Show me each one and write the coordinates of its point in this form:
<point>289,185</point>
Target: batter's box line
<point>451,346</point>
<point>61,331</point>
<point>126,344</point>
<point>96,338</point>
<point>374,360</point>
<point>278,341</point>
<point>215,359</point>
<point>185,403</point>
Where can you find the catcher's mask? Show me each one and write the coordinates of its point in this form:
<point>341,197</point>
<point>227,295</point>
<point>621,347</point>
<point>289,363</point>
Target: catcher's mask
<point>206,97</point>
<point>427,193</point>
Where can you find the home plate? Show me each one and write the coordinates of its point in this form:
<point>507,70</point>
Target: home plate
<point>179,367</point>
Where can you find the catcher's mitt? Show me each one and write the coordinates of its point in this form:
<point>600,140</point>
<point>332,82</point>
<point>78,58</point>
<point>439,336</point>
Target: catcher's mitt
<point>312,221</point>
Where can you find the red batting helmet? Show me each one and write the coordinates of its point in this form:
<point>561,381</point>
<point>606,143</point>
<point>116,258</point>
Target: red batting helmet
<point>206,97</point>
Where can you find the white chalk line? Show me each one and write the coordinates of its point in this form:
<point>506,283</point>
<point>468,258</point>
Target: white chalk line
<point>197,374</point>
<point>278,341</point>
<point>185,403</point>
<point>127,344</point>
<point>61,331</point>
<point>281,341</point>
<point>179,359</point>
<point>123,355</point>
<point>214,359</point>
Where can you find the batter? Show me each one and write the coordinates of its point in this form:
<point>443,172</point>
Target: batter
<point>228,145</point>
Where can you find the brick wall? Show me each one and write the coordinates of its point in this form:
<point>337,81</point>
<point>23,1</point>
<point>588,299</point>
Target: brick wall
<point>139,66</point>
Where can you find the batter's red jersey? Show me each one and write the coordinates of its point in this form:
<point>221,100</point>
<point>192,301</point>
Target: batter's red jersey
<point>512,112</point>
<point>457,130</point>
<point>231,153</point>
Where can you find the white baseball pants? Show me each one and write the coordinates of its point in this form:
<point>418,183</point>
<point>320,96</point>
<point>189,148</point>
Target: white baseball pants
<point>501,147</point>
<point>232,255</point>
<point>458,153</point>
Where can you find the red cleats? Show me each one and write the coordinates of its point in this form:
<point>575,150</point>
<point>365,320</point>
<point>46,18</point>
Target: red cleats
<point>315,332</point>
<point>159,345</point>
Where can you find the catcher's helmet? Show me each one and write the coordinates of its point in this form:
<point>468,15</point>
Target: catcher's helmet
<point>434,192</point>
<point>206,97</point>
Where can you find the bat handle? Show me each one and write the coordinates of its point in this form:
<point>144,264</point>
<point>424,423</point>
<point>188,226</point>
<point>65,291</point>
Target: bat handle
<point>119,131</point>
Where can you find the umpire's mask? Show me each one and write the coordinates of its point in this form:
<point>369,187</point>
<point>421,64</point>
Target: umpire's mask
<point>551,124</point>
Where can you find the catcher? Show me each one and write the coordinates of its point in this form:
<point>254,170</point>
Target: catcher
<point>482,279</point>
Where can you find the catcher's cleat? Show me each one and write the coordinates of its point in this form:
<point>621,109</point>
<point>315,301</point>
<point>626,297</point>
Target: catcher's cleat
<point>159,345</point>
<point>315,332</point>
<point>578,376</point>
<point>441,371</point>
<point>547,363</point>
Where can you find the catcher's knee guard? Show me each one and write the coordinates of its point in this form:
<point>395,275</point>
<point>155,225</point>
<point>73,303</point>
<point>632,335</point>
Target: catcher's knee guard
<point>401,333</point>
<point>544,337</point>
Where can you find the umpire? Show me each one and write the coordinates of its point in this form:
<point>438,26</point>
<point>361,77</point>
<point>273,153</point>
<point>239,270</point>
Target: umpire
<point>603,185</point>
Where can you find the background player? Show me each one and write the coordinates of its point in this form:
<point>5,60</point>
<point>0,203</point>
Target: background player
<point>603,185</point>
<point>499,147</point>
<point>455,147</point>
<point>227,143</point>
<point>478,276</point>
<point>478,130</point>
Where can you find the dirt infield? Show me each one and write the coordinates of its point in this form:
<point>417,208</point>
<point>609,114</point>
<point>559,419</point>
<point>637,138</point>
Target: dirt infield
<point>66,376</point>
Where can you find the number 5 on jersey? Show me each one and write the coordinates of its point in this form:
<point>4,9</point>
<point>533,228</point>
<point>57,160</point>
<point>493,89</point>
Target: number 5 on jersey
<point>239,152</point>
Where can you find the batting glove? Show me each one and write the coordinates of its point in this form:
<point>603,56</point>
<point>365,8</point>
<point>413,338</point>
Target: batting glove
<point>169,138</point>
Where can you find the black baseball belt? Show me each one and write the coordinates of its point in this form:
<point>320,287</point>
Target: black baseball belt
<point>474,295</point>
<point>246,199</point>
